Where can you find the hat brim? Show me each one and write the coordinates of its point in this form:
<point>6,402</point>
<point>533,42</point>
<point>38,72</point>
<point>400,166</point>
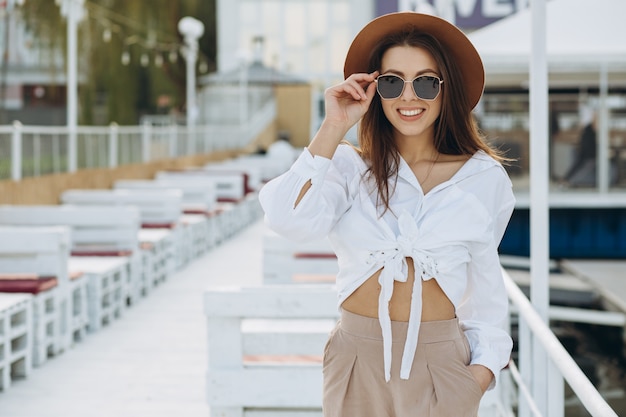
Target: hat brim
<point>453,40</point>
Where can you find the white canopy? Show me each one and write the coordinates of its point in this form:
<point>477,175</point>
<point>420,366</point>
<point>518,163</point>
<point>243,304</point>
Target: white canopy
<point>582,37</point>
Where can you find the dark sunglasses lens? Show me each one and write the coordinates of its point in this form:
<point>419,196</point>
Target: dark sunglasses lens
<point>426,88</point>
<point>390,86</point>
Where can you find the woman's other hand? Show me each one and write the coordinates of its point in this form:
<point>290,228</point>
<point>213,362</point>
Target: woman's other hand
<point>482,375</point>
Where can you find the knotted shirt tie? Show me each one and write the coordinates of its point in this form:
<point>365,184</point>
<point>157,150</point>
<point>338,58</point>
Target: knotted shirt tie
<point>395,268</point>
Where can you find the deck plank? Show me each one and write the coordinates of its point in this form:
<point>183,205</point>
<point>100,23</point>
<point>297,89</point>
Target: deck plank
<point>607,276</point>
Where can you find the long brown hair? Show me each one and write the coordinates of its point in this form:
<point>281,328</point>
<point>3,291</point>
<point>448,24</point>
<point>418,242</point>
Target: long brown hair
<point>456,131</point>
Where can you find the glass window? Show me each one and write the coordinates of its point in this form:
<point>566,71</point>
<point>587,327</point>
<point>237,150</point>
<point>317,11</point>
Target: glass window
<point>576,135</point>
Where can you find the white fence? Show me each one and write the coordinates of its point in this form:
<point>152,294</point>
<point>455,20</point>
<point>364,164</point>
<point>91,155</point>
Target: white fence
<point>29,151</point>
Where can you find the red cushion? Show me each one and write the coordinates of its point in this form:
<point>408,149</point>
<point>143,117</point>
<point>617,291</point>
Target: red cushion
<point>103,252</point>
<point>158,225</point>
<point>315,256</point>
<point>27,283</point>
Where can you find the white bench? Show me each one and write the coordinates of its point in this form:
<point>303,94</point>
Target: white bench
<point>159,209</point>
<point>286,261</point>
<point>269,167</point>
<point>199,205</point>
<point>159,255</point>
<point>105,231</point>
<point>230,186</point>
<point>235,208</point>
<point>34,260</point>
<point>249,208</point>
<point>106,295</point>
<point>252,174</point>
<point>16,337</point>
<point>197,196</point>
<point>265,346</point>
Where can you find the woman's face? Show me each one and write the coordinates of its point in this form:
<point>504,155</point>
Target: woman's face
<point>411,116</point>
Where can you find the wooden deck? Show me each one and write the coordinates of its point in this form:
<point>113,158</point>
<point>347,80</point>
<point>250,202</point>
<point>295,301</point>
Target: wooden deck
<point>152,362</point>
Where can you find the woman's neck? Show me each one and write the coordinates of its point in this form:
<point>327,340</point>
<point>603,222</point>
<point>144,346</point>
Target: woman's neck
<point>414,150</point>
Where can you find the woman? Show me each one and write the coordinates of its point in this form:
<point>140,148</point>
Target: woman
<point>415,216</point>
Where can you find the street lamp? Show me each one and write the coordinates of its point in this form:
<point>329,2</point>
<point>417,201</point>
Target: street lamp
<point>192,29</point>
<point>73,11</point>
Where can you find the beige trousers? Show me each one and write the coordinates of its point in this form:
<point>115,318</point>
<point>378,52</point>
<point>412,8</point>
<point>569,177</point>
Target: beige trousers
<point>440,384</point>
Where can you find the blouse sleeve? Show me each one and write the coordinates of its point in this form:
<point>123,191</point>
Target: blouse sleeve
<point>484,309</point>
<point>325,201</point>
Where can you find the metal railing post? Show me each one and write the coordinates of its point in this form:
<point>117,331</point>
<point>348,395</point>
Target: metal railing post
<point>525,363</point>
<point>113,144</point>
<point>556,391</point>
<point>145,141</point>
<point>16,151</point>
<point>191,140</point>
<point>173,140</point>
<point>72,151</point>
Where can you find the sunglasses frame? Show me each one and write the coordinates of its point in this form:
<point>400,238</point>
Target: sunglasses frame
<point>412,86</point>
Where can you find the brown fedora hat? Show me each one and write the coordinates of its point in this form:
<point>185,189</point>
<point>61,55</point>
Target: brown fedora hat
<point>451,37</point>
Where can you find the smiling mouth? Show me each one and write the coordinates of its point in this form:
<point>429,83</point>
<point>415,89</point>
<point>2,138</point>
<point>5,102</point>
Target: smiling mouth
<point>409,113</point>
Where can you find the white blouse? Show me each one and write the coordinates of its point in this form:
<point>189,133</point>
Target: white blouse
<point>452,234</point>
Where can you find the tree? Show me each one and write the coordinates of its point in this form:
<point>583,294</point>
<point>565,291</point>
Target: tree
<point>136,30</point>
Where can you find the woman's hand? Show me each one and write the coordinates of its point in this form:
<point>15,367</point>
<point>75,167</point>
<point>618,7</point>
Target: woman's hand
<point>482,375</point>
<point>348,101</point>
<point>345,105</point>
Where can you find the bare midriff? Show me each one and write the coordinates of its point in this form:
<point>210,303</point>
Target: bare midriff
<point>435,303</point>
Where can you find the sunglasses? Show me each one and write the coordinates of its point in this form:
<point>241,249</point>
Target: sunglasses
<point>426,87</point>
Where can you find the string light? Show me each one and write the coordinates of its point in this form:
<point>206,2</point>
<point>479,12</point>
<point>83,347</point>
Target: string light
<point>144,60</point>
<point>162,44</point>
<point>173,56</point>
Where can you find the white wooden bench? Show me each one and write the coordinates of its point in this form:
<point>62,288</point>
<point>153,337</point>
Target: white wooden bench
<point>199,205</point>
<point>197,196</point>
<point>34,260</point>
<point>230,186</point>
<point>252,174</point>
<point>286,261</point>
<point>106,231</point>
<point>16,337</point>
<point>159,255</point>
<point>236,207</point>
<point>265,346</point>
<point>106,296</point>
<point>158,209</point>
<point>269,167</point>
<point>249,208</point>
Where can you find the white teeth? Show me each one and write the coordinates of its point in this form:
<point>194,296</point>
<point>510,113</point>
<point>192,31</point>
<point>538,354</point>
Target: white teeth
<point>411,112</point>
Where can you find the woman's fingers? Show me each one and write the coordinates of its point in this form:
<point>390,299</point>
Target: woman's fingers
<point>347,101</point>
<point>355,86</point>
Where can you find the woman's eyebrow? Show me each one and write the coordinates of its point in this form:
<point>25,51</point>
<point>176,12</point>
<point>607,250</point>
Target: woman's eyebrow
<point>417,74</point>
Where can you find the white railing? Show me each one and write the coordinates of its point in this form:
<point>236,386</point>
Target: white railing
<point>536,340</point>
<point>29,151</point>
